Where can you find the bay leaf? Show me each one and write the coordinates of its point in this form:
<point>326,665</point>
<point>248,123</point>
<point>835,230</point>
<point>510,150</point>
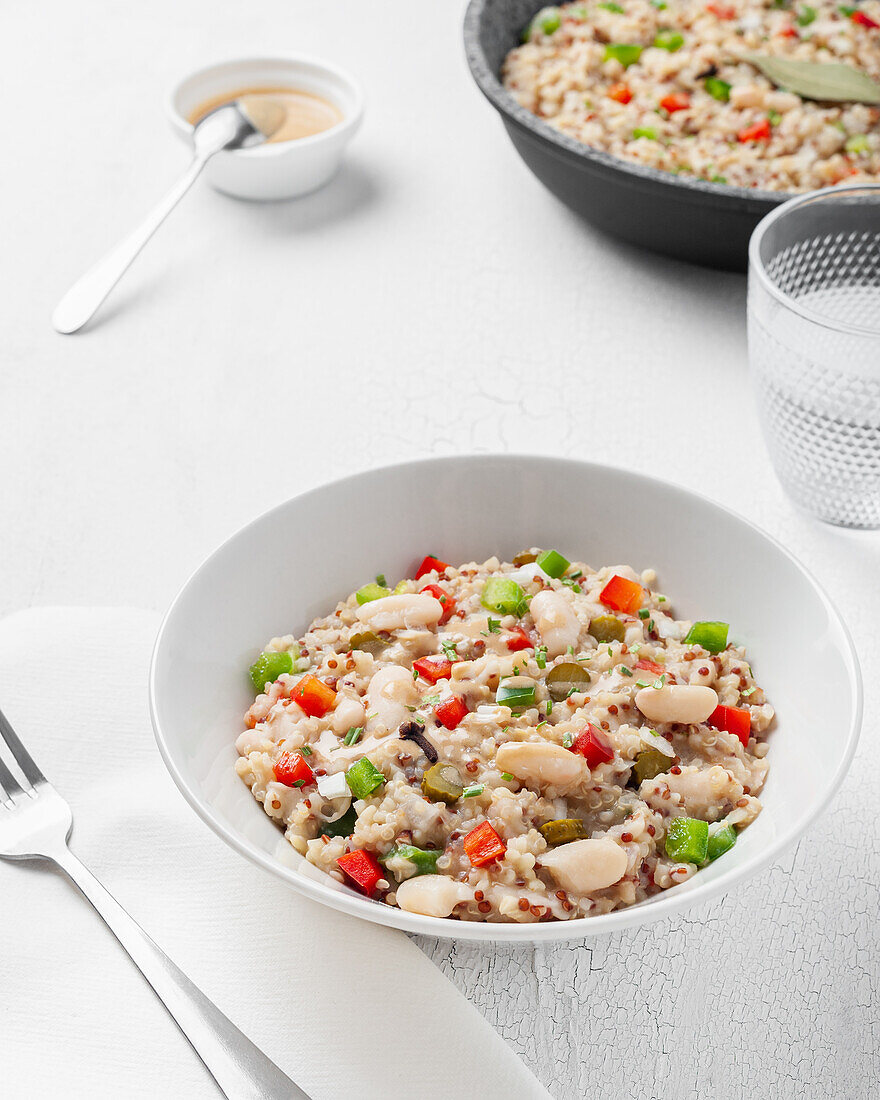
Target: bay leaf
<point>833,83</point>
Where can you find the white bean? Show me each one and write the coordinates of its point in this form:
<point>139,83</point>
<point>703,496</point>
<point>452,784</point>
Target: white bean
<point>348,712</point>
<point>687,703</point>
<point>586,865</point>
<point>540,763</point>
<point>555,620</point>
<point>391,690</point>
<point>432,895</point>
<point>413,610</point>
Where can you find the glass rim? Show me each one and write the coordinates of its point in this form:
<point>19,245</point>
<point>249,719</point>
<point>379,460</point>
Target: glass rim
<point>756,264</point>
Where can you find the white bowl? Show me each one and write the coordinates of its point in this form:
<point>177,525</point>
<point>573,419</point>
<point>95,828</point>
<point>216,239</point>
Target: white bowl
<point>288,168</point>
<point>295,562</point>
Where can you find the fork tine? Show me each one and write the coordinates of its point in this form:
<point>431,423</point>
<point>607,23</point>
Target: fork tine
<point>22,756</point>
<point>9,785</point>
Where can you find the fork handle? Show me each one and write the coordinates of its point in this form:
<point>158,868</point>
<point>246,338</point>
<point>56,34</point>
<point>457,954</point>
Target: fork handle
<point>240,1068</point>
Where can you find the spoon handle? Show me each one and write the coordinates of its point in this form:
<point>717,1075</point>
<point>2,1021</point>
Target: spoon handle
<point>82,300</point>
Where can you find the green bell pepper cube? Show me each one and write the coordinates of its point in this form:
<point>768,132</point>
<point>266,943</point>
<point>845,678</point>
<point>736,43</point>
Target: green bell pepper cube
<point>687,840</point>
<point>720,841</point>
<point>425,862</point>
<point>503,595</point>
<point>370,592</point>
<point>553,563</point>
<point>268,667</point>
<point>363,778</point>
<point>710,635</point>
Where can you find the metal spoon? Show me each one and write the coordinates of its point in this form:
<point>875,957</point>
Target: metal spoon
<point>244,123</point>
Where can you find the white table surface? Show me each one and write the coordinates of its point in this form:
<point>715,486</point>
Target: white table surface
<point>432,300</point>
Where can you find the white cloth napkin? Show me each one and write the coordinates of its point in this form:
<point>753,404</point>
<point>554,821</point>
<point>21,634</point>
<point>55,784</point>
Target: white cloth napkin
<point>346,1008</point>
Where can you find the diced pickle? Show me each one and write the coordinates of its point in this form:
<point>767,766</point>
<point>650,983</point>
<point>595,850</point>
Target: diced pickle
<point>650,763</point>
<point>368,641</point>
<point>608,628</point>
<point>525,557</point>
<point>566,678</point>
<point>563,830</point>
<point>442,783</point>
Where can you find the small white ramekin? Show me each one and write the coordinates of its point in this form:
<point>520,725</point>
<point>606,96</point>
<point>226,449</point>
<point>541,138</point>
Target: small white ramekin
<point>272,171</point>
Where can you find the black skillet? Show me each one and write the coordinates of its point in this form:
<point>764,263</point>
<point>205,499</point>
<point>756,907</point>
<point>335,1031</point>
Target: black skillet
<point>706,223</point>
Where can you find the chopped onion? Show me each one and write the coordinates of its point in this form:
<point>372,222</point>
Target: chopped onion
<point>333,786</point>
<point>655,741</point>
<point>667,627</point>
<point>527,573</point>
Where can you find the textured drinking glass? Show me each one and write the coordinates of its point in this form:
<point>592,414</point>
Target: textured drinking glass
<point>814,349</point>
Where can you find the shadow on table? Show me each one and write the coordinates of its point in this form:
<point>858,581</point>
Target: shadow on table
<point>348,194</point>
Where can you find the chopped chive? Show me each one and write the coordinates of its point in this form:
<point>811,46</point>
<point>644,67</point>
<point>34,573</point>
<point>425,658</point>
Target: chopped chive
<point>747,693</point>
<point>541,656</point>
<point>624,671</point>
<point>643,683</point>
<point>506,776</point>
<point>644,612</point>
<point>380,580</point>
<point>570,651</point>
<point>299,782</point>
<point>650,624</point>
<point>567,740</point>
<point>306,751</point>
<point>494,626</point>
<point>353,735</point>
<point>549,707</point>
<point>473,791</point>
<point>449,649</point>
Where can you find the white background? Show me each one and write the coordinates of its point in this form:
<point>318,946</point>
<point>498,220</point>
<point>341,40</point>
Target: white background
<point>433,299</point>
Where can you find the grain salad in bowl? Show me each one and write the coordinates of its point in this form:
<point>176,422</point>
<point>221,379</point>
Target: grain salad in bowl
<point>776,95</point>
<point>508,742</point>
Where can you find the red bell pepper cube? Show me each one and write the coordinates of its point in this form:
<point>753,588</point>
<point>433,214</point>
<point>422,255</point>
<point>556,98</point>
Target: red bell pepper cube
<point>363,870</point>
<point>735,720</point>
<point>759,132</point>
<point>621,594</point>
<point>620,93</point>
<point>517,640</point>
<point>313,696</point>
<point>448,602</point>
<point>788,32</point>
<point>429,565</point>
<point>722,11</point>
<point>863,20</point>
<point>593,746</point>
<point>675,101</point>
<point>451,711</point>
<point>292,770</point>
<point>433,669</point>
<point>650,666</point>
<point>483,845</point>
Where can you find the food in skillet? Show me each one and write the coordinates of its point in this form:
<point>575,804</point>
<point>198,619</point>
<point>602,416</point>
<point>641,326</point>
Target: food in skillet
<point>730,92</point>
<point>508,742</point>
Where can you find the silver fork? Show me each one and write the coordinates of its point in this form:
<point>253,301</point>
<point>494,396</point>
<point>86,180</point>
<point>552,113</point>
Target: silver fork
<point>35,823</point>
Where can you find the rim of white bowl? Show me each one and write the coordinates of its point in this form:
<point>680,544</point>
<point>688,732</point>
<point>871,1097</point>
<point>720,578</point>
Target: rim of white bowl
<point>759,270</point>
<point>668,903</point>
<point>345,127</point>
